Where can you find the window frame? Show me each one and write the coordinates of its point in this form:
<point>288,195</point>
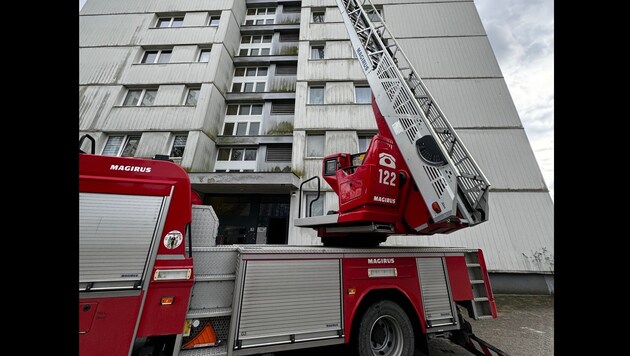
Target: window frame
<point>254,45</point>
<point>362,86</point>
<point>364,135</point>
<point>201,52</point>
<point>316,46</point>
<point>175,136</point>
<point>313,195</point>
<point>318,12</point>
<point>323,145</point>
<point>268,18</point>
<point>239,165</point>
<point>141,98</point>
<point>125,141</point>
<point>171,20</point>
<point>310,96</point>
<point>186,97</point>
<point>157,56</point>
<point>214,17</point>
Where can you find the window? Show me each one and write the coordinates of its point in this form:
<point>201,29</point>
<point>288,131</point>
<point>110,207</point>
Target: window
<point>179,144</point>
<point>214,21</point>
<point>204,55</point>
<point>317,208</point>
<point>283,107</point>
<point>315,145</point>
<point>362,94</point>
<point>319,16</point>
<point>192,97</point>
<point>249,79</point>
<point>260,16</point>
<point>124,146</point>
<point>286,69</point>
<point>140,97</point>
<point>316,95</point>
<point>242,120</point>
<point>164,22</point>
<point>278,153</point>
<point>291,9</point>
<point>289,37</point>
<point>364,141</point>
<point>255,45</point>
<point>231,159</point>
<point>317,52</point>
<point>158,56</point>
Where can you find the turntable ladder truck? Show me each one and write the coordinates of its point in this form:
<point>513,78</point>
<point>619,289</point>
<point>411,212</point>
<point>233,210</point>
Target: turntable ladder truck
<point>153,282</point>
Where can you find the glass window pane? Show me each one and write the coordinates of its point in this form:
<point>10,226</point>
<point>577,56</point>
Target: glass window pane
<point>318,17</point>
<point>228,129</point>
<point>130,146</point>
<point>251,72</point>
<point>165,57</point>
<point>262,71</point>
<point>253,128</point>
<point>232,109</point>
<point>249,22</point>
<point>193,96</point>
<point>266,39</point>
<point>250,154</point>
<point>113,145</point>
<point>317,208</point>
<point>253,52</point>
<point>269,21</point>
<point>363,95</point>
<point>177,22</point>
<point>249,87</point>
<point>244,110</point>
<point>133,96</point>
<point>241,129</point>
<point>260,87</point>
<point>314,145</point>
<point>204,55</point>
<point>236,87</point>
<point>214,21</point>
<point>271,10</point>
<point>256,39</point>
<point>246,39</point>
<point>239,72</point>
<point>164,22</point>
<point>264,52</point>
<point>316,95</point>
<point>224,154</point>
<point>260,22</point>
<point>257,109</point>
<point>251,11</point>
<point>237,154</point>
<point>149,57</point>
<point>242,52</point>
<point>149,97</point>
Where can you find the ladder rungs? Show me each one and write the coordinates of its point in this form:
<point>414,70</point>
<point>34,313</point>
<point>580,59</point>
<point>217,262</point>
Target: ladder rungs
<point>476,281</point>
<point>473,265</point>
<point>481,299</point>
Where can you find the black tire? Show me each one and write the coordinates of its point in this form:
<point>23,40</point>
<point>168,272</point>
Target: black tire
<point>385,330</point>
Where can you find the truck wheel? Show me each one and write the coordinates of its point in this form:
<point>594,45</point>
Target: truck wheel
<point>385,330</point>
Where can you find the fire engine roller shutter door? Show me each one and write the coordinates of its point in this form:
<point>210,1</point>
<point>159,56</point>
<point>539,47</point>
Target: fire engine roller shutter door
<point>115,236</point>
<point>290,297</point>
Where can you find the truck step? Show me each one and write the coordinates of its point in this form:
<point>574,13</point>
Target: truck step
<point>208,313</point>
<point>206,351</point>
<point>476,281</point>
<point>481,299</point>
<point>214,277</point>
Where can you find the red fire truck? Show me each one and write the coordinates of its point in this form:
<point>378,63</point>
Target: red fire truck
<point>153,282</point>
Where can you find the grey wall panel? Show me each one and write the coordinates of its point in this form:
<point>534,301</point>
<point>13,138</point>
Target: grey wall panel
<point>126,6</point>
<point>170,95</point>
<point>339,93</point>
<point>348,117</point>
<point>95,103</point>
<point>339,50</point>
<point>229,30</point>
<point>210,109</point>
<point>170,73</point>
<point>104,65</point>
<point>148,118</point>
<point>185,54</point>
<point>518,237</point>
<point>475,102</point>
<point>433,19</point>
<point>200,18</point>
<point>331,70</point>
<point>341,141</point>
<point>220,69</point>
<point>505,157</point>
<point>203,151</point>
<point>154,143</point>
<point>175,36</point>
<point>324,31</point>
<point>452,57</point>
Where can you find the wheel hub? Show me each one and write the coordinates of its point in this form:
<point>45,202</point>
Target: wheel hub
<point>386,337</point>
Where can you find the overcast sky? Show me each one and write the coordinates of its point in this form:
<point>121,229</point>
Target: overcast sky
<point>522,37</point>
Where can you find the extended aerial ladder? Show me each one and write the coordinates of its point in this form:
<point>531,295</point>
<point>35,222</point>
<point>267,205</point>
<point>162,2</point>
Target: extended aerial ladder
<point>448,190</point>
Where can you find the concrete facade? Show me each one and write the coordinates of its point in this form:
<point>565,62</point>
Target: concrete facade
<point>276,93</point>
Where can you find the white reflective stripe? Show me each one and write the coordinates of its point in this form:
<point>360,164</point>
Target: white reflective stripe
<point>170,257</point>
